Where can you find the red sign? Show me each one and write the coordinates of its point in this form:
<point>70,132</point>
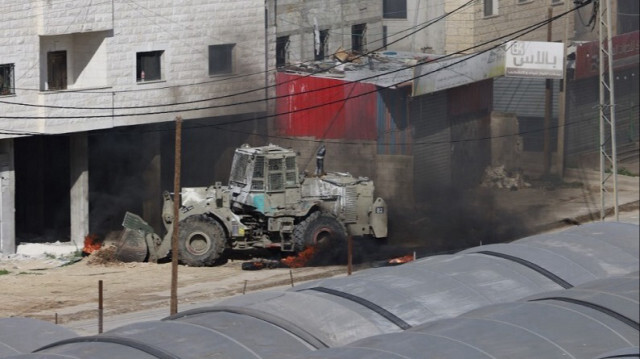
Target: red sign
<point>625,54</point>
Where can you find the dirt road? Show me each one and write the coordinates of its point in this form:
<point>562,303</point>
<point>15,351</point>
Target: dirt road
<point>42,289</point>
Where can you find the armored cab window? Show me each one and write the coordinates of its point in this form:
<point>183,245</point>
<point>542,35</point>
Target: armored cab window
<point>239,169</point>
<point>292,172</point>
<point>257,182</point>
<point>276,174</point>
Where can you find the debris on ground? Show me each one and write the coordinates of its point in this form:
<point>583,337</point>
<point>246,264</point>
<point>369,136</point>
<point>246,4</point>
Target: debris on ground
<point>104,255</point>
<point>261,263</point>
<point>296,261</point>
<point>499,177</point>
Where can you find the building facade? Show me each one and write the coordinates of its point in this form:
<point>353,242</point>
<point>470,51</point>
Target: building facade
<point>89,94</point>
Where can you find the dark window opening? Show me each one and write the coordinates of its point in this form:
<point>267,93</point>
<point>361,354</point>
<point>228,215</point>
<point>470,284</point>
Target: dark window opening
<point>488,8</point>
<point>324,43</point>
<point>148,66</point>
<point>7,86</point>
<point>357,38</point>
<point>221,59</point>
<point>394,9</point>
<point>57,70</point>
<point>282,49</point>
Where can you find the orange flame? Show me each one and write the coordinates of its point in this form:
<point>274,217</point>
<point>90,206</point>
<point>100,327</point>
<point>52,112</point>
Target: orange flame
<point>299,260</point>
<point>91,243</point>
<point>401,260</point>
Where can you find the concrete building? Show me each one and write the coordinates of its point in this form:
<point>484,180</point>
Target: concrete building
<point>458,26</point>
<point>89,93</point>
<point>314,30</point>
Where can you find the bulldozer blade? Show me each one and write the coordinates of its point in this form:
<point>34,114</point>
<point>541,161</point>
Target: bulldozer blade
<point>132,246</point>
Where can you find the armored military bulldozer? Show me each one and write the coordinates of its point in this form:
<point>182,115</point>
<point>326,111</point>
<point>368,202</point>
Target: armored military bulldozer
<point>267,204</point>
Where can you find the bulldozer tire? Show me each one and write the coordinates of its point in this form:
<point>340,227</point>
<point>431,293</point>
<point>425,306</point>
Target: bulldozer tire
<point>202,241</point>
<point>318,228</point>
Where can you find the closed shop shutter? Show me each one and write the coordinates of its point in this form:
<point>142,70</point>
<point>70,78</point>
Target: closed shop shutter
<point>432,149</point>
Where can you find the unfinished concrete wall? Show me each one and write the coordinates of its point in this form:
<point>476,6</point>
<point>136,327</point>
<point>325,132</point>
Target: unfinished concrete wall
<point>298,19</point>
<point>7,193</point>
<point>506,146</point>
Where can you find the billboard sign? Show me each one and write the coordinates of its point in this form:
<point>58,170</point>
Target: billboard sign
<point>625,54</point>
<point>441,75</point>
<point>534,59</point>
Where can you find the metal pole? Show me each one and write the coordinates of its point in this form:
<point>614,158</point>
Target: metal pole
<point>612,115</point>
<point>100,308</point>
<point>176,217</point>
<point>607,108</point>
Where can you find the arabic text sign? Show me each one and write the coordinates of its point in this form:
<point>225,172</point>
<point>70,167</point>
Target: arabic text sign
<point>534,59</point>
<point>441,75</point>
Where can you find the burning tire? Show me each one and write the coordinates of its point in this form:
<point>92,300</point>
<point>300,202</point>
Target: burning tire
<point>318,228</point>
<point>201,241</point>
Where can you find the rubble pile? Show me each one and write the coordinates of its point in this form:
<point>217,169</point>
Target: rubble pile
<point>104,255</point>
<point>499,177</point>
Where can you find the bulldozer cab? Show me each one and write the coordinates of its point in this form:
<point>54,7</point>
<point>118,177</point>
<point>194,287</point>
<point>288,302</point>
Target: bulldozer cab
<point>265,178</point>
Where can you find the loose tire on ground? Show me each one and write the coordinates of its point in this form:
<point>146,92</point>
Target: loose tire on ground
<point>201,241</point>
<point>318,228</point>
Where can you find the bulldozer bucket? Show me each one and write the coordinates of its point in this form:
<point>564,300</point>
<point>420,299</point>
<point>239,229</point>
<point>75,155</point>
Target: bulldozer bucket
<point>132,246</point>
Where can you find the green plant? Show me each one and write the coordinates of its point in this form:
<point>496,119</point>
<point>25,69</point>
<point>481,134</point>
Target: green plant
<point>4,271</point>
<point>22,273</point>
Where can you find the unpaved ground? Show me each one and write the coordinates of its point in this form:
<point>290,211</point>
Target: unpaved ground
<point>43,288</point>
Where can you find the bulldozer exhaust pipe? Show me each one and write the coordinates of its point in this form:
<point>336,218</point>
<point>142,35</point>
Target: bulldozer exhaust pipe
<point>320,160</point>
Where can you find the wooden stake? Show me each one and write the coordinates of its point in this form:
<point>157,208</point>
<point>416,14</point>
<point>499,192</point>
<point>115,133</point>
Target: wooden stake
<point>291,276</point>
<point>100,307</point>
<point>349,254</point>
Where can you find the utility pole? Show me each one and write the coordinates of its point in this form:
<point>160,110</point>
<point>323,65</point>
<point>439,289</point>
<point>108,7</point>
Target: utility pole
<point>562,101</point>
<point>176,216</point>
<point>608,151</point>
<point>547,109</point>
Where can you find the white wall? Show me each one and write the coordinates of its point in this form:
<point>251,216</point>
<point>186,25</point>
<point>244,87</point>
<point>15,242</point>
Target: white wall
<point>102,42</point>
<point>420,13</point>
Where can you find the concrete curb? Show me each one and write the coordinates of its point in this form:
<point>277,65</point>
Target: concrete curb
<point>591,178</point>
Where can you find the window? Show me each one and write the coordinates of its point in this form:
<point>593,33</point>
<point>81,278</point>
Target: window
<point>394,9</point>
<point>57,70</point>
<point>490,7</point>
<point>324,44</point>
<point>148,66</point>
<point>282,51</point>
<point>357,37</point>
<point>221,59</point>
<point>6,80</point>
